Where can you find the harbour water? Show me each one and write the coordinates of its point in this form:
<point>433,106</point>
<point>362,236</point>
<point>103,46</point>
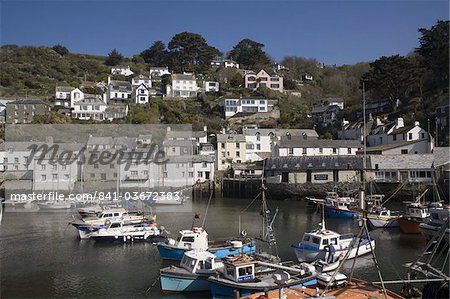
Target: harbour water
<point>42,257</point>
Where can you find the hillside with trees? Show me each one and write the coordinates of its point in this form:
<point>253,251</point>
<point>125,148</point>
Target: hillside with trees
<point>418,81</point>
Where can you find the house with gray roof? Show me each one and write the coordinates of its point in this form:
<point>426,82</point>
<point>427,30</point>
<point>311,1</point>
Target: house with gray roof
<point>182,86</point>
<point>299,146</point>
<point>118,91</point>
<point>397,133</point>
<point>327,114</point>
<point>23,111</point>
<point>313,169</point>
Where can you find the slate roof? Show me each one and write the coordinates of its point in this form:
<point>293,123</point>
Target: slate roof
<point>318,143</point>
<point>396,162</point>
<point>389,146</point>
<point>182,77</point>
<point>224,138</point>
<point>314,162</point>
<point>402,130</point>
<point>116,108</point>
<point>64,88</point>
<point>28,102</point>
<point>441,156</point>
<point>281,132</point>
<point>322,109</point>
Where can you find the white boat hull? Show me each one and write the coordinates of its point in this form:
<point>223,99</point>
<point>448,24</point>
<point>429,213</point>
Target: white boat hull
<point>310,254</point>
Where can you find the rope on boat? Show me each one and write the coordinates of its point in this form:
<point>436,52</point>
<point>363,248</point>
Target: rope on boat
<point>207,208</point>
<point>153,284</point>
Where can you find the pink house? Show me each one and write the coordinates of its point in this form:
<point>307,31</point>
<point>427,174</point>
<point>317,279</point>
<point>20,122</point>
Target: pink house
<point>262,78</point>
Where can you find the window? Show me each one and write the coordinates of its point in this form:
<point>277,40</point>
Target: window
<point>204,164</point>
<point>404,151</point>
<point>16,160</point>
<point>43,177</point>
<point>258,146</point>
<point>223,145</point>
<point>394,137</point>
<point>66,176</point>
<point>423,135</point>
<point>274,85</point>
<point>291,151</point>
<point>258,136</point>
<point>188,239</point>
<point>103,176</point>
<point>92,175</point>
<point>54,176</point>
<point>238,154</point>
<point>63,167</point>
<point>304,151</point>
<point>95,165</point>
<point>334,150</point>
<point>316,240</point>
<point>410,136</point>
<point>238,145</point>
<point>55,167</point>
<point>325,242</point>
<point>199,174</point>
<point>191,174</point>
<point>42,167</point>
<point>349,151</point>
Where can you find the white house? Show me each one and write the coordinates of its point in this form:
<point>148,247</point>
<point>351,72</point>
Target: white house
<point>66,96</point>
<point>89,108</point>
<point>260,141</point>
<point>122,70</point>
<point>233,106</point>
<point>320,147</point>
<point>211,86</point>
<point>141,94</point>
<point>183,86</point>
<point>397,132</point>
<point>226,63</point>
<point>158,71</point>
<point>263,79</point>
<point>141,79</point>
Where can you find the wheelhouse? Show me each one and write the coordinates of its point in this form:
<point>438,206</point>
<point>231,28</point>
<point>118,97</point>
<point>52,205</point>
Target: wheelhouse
<point>239,269</point>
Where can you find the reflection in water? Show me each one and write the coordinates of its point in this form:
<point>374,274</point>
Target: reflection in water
<point>42,257</point>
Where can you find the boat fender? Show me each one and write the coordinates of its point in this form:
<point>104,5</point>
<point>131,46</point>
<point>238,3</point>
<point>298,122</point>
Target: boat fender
<point>108,222</point>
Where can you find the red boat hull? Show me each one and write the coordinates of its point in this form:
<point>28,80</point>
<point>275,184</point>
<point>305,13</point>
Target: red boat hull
<point>409,226</point>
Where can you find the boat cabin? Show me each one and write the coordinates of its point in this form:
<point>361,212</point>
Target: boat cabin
<point>374,201</point>
<point>321,239</point>
<point>197,238</point>
<point>198,262</point>
<point>239,268</point>
<point>439,215</point>
<point>417,210</point>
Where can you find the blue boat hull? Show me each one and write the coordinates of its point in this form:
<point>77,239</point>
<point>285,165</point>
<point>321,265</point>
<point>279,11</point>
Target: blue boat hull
<point>184,284</point>
<point>338,213</point>
<point>172,253</point>
<point>219,290</point>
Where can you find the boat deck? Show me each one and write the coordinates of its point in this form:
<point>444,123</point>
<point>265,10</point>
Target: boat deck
<point>356,289</point>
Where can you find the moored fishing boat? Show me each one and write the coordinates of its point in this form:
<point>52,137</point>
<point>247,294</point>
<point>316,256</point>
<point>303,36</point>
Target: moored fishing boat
<point>243,275</point>
<point>109,215</point>
<point>192,274</point>
<point>120,232</point>
<point>197,238</point>
<point>410,222</point>
<point>437,218</point>
<point>52,205</point>
<point>321,243</point>
<point>382,219</point>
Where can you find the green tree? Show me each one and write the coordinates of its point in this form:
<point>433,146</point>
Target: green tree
<point>190,52</point>
<point>51,117</point>
<point>237,80</point>
<point>389,77</point>
<point>61,50</point>
<point>114,58</point>
<point>434,49</point>
<point>249,54</point>
<point>156,55</point>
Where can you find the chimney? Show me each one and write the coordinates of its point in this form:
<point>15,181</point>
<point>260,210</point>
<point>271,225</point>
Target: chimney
<point>109,80</point>
<point>168,129</point>
<point>379,123</point>
<point>416,124</point>
<point>205,128</point>
<point>399,123</point>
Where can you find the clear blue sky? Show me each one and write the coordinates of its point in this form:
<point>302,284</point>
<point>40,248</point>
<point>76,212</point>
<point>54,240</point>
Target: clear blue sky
<point>334,32</point>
